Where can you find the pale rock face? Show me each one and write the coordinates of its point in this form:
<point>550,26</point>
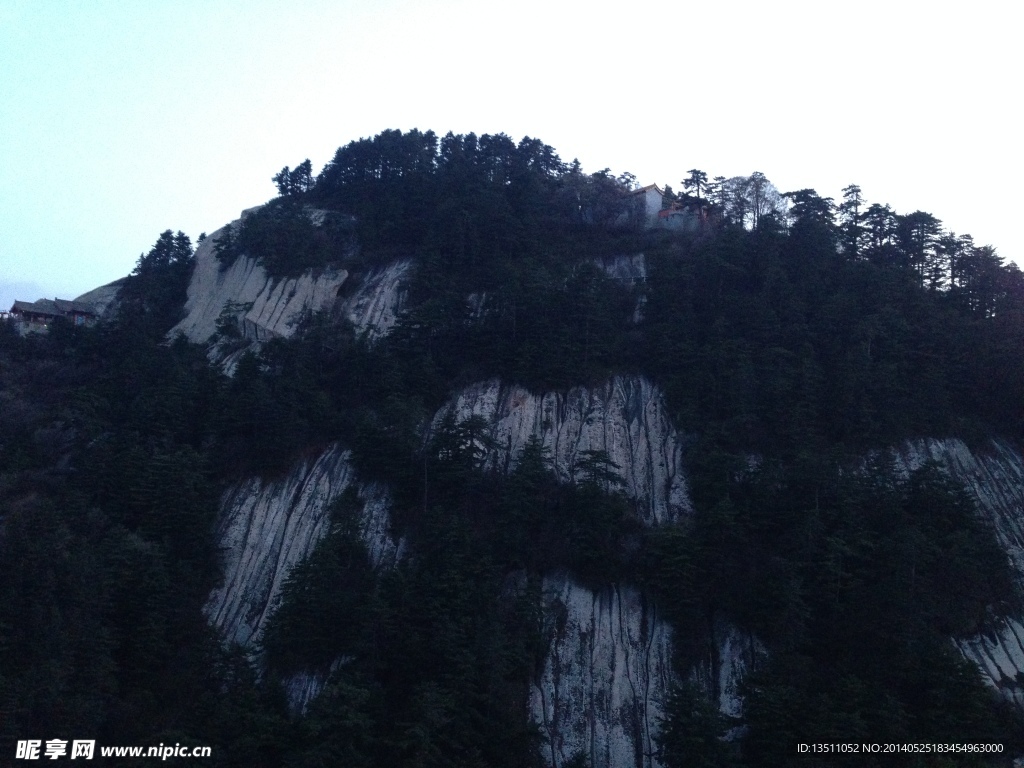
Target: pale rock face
<point>265,528</point>
<point>301,688</point>
<point>630,270</point>
<point>267,308</point>
<point>607,671</point>
<point>995,477</point>
<point>608,666</point>
<point>1000,657</point>
<point>102,298</point>
<point>734,655</point>
<point>625,416</point>
<point>378,302</point>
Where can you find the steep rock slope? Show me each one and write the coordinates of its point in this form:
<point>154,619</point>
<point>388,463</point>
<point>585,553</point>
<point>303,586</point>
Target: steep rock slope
<point>628,270</point>
<point>607,667</point>
<point>631,271</point>
<point>607,671</point>
<point>265,528</point>
<point>264,307</point>
<point>102,298</point>
<point>608,664</point>
<point>625,416</point>
<point>994,475</point>
<point>721,674</point>
<point>377,302</point>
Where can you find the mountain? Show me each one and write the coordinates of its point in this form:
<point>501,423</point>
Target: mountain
<point>455,455</point>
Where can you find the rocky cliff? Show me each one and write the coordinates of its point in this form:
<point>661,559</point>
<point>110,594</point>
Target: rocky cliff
<point>607,671</point>
<point>102,298</point>
<point>608,664</point>
<point>994,476</point>
<point>262,307</point>
<point>625,417</point>
<point>265,528</point>
<point>607,667</point>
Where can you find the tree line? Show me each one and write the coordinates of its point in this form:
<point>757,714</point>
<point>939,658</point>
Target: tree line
<point>787,327</point>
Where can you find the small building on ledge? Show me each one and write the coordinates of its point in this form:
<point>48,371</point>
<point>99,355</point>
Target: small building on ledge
<point>683,217</point>
<point>649,209</point>
<point>646,204</point>
<point>37,315</point>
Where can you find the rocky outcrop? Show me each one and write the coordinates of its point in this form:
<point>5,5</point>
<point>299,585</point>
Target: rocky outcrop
<point>628,270</point>
<point>608,666</point>
<point>607,671</point>
<point>266,527</point>
<point>994,476</point>
<point>625,417</point>
<point>732,655</point>
<point>243,292</point>
<point>302,687</point>
<point>377,303</point>
<point>104,298</point>
<point>261,307</point>
<point>1000,657</point>
<point>631,271</point>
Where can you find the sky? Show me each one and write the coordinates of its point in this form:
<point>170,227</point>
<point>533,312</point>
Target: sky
<point>119,120</point>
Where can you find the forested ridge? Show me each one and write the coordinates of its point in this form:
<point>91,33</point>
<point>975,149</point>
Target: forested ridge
<point>795,339</point>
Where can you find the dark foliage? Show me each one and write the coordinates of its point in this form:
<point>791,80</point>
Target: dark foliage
<point>809,336</point>
<point>287,237</point>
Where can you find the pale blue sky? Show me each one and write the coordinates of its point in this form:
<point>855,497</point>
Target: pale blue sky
<point>119,120</point>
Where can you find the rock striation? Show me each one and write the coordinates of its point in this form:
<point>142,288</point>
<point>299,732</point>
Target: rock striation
<point>625,416</point>
<point>994,476</point>
<point>608,665</point>
<point>732,655</point>
<point>262,307</point>
<point>266,527</point>
<point>608,662</point>
<point>628,270</point>
<point>377,303</point>
<point>104,298</point>
<point>631,271</point>
<point>607,671</point>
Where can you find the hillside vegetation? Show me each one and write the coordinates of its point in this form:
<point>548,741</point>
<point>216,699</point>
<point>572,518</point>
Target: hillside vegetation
<point>794,339</point>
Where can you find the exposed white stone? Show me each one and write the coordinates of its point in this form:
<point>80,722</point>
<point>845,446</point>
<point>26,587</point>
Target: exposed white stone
<point>263,306</point>
<point>721,676</point>
<point>375,530</point>
<point>1000,657</point>
<point>607,671</point>
<point>104,297</point>
<point>301,688</point>
<point>608,667</point>
<point>625,416</point>
<point>630,270</point>
<point>994,475</point>
<point>375,306</point>
<point>265,528</point>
